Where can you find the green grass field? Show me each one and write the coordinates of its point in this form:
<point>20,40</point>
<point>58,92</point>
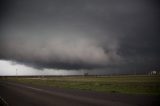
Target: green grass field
<point>110,84</point>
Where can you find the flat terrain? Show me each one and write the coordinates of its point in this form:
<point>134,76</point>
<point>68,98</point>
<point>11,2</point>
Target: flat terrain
<point>16,94</point>
<point>125,84</point>
<point>80,91</point>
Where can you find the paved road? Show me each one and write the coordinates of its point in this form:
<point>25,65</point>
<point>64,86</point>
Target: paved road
<point>14,94</point>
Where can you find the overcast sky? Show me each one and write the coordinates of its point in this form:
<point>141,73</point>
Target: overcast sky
<point>68,36</point>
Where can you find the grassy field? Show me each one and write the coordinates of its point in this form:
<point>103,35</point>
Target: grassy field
<point>110,84</point>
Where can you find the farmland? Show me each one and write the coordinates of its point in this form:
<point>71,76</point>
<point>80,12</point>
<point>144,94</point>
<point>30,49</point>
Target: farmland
<point>125,84</point>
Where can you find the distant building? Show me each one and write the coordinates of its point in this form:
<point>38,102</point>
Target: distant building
<point>86,74</point>
<point>154,72</point>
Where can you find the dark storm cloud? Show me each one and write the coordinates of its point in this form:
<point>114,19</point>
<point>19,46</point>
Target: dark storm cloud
<point>84,34</point>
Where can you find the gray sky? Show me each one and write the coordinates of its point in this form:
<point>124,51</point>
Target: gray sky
<point>103,35</point>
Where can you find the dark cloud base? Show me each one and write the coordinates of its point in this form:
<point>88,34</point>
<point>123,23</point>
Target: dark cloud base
<point>86,34</point>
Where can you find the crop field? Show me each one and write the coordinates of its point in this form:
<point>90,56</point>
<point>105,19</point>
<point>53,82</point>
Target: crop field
<point>126,84</point>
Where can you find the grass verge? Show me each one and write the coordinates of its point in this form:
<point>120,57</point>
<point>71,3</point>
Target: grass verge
<point>110,84</point>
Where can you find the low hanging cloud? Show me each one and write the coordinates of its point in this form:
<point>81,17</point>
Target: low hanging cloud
<point>86,34</point>
<point>60,50</point>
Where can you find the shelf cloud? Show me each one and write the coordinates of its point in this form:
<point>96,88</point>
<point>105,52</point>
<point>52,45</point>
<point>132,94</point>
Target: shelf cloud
<point>86,34</point>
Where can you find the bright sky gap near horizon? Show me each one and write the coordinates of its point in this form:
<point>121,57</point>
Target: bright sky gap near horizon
<point>68,37</point>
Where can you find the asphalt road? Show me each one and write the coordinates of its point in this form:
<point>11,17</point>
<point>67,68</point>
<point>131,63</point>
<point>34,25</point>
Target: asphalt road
<point>15,94</point>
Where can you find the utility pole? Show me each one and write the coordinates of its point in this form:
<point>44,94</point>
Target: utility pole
<point>82,71</point>
<point>16,73</point>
